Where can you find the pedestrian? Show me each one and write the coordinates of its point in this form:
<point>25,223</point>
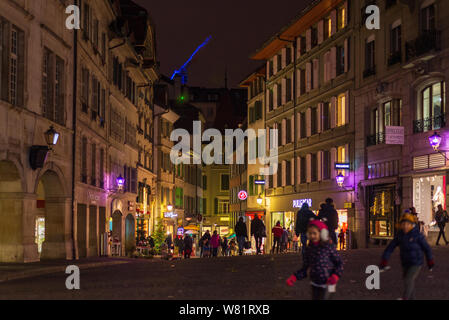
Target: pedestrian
<point>258,231</point>
<point>441,218</point>
<point>295,242</point>
<point>341,239</point>
<point>224,247</point>
<point>151,242</point>
<point>188,245</point>
<point>412,244</point>
<point>204,239</point>
<point>169,242</point>
<point>205,249</point>
<point>321,260</point>
<point>215,243</point>
<point>420,223</point>
<point>329,216</point>
<point>241,234</point>
<point>284,240</point>
<point>303,218</point>
<point>277,232</point>
<point>232,247</point>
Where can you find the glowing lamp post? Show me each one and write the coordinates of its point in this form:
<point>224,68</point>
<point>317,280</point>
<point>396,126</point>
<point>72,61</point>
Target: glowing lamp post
<point>435,141</point>
<point>259,200</point>
<point>120,181</point>
<point>340,180</point>
<point>169,207</point>
<point>51,137</point>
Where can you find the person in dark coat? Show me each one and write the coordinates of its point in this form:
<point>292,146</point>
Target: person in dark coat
<point>241,234</point>
<point>257,230</point>
<point>412,244</point>
<point>321,262</point>
<point>151,242</point>
<point>303,218</point>
<point>330,217</point>
<point>441,218</point>
<point>204,239</point>
<point>188,245</point>
<point>277,232</point>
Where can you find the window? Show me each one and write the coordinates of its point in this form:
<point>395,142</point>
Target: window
<point>325,117</point>
<point>258,110</point>
<point>279,94</point>
<point>179,197</point>
<point>288,90</point>
<point>431,110</point>
<point>85,90</point>
<point>279,175</point>
<point>279,127</point>
<point>340,60</point>
<point>270,100</point>
<point>428,19</point>
<point>223,206</point>
<point>288,56</point>
<point>84,160</point>
<point>93,176</point>
<point>86,21</point>
<point>314,167</point>
<point>303,132</point>
<point>341,18</point>
<point>288,132</point>
<point>303,166</point>
<point>12,63</point>
<point>314,37</point>
<point>224,182</point>
<point>117,122</point>
<point>388,114</point>
<point>303,46</point>
<point>370,67</point>
<point>341,110</point>
<point>327,28</point>
<point>313,121</point>
<point>288,173</point>
<point>390,3</point>
<point>395,45</point>
<point>101,168</point>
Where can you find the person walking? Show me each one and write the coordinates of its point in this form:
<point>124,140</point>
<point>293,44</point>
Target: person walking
<point>412,244</point>
<point>258,231</point>
<point>303,218</point>
<point>284,240</point>
<point>341,239</point>
<point>188,246</point>
<point>330,217</point>
<point>215,243</point>
<point>295,242</point>
<point>441,217</point>
<point>224,247</point>
<point>204,239</point>
<point>321,261</point>
<point>277,232</point>
<point>241,234</point>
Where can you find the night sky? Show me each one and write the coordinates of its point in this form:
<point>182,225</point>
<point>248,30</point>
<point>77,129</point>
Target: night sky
<point>237,27</point>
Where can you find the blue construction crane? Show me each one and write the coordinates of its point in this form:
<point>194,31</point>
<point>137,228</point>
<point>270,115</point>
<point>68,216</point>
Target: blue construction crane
<point>183,70</point>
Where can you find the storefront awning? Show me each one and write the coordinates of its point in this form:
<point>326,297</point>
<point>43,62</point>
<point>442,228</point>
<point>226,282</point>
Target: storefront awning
<point>192,228</point>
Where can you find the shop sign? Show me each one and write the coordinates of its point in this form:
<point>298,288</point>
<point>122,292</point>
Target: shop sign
<point>394,135</point>
<point>342,166</point>
<point>348,205</point>
<point>170,215</point>
<point>243,195</point>
<point>298,203</point>
<point>225,219</point>
<point>180,231</point>
<point>259,182</point>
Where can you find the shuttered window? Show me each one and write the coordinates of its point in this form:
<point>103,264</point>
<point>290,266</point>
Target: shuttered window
<point>53,95</point>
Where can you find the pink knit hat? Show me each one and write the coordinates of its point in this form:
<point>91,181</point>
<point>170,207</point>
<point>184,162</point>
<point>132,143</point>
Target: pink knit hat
<point>324,230</point>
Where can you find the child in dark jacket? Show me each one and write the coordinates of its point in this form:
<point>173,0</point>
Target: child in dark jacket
<point>321,260</point>
<point>412,244</point>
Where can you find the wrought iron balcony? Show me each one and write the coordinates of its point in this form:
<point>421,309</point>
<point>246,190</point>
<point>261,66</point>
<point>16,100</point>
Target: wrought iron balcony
<point>429,124</point>
<point>375,139</point>
<point>395,57</point>
<point>369,71</point>
<point>426,42</point>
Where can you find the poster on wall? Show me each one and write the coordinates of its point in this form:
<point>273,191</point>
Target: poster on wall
<point>394,135</point>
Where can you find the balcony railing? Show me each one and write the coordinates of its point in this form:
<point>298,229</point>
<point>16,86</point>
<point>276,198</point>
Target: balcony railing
<point>429,124</point>
<point>426,42</point>
<point>369,71</point>
<point>375,139</point>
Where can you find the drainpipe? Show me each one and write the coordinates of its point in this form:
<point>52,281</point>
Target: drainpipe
<point>74,94</point>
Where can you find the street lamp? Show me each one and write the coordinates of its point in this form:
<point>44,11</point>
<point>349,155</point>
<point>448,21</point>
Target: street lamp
<point>259,200</point>
<point>169,207</point>
<point>435,141</point>
<point>340,179</point>
<point>51,137</point>
<point>120,181</point>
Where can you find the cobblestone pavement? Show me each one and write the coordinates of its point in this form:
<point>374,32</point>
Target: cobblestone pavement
<point>229,278</point>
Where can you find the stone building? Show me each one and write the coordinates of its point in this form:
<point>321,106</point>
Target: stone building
<point>401,76</point>
<point>36,65</point>
<point>308,99</point>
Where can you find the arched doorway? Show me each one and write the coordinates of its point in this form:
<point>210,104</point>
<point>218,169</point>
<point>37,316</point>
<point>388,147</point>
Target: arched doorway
<point>52,216</point>
<point>116,233</point>
<point>11,214</point>
<point>130,234</point>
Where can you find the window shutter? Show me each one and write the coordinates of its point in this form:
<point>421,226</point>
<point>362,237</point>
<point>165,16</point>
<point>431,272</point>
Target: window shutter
<point>320,31</point>
<point>20,68</point>
<point>333,112</point>
<point>346,54</point>
<point>346,6</point>
<point>319,117</point>
<point>298,83</point>
<point>333,160</point>
<point>275,96</point>
<point>309,76</point>
<point>283,58</point>
<point>298,47</point>
<point>334,21</point>
<point>309,122</point>
<point>60,115</point>
<point>308,40</point>
<point>284,131</point>
<point>267,137</point>
<point>298,170</point>
<point>284,173</point>
<point>275,178</point>
<point>298,126</point>
<point>6,28</point>
<point>216,206</point>
<point>309,167</point>
<point>319,160</point>
<point>292,128</point>
<point>292,172</point>
<point>268,70</point>
<point>316,73</point>
<point>275,65</point>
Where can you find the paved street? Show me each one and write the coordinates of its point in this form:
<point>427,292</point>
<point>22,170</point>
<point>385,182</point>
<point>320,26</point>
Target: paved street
<point>250,277</point>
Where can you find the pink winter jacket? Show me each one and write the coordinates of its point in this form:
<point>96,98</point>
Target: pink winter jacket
<point>215,241</point>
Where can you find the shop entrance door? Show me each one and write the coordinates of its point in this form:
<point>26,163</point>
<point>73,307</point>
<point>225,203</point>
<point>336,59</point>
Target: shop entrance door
<point>40,233</point>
